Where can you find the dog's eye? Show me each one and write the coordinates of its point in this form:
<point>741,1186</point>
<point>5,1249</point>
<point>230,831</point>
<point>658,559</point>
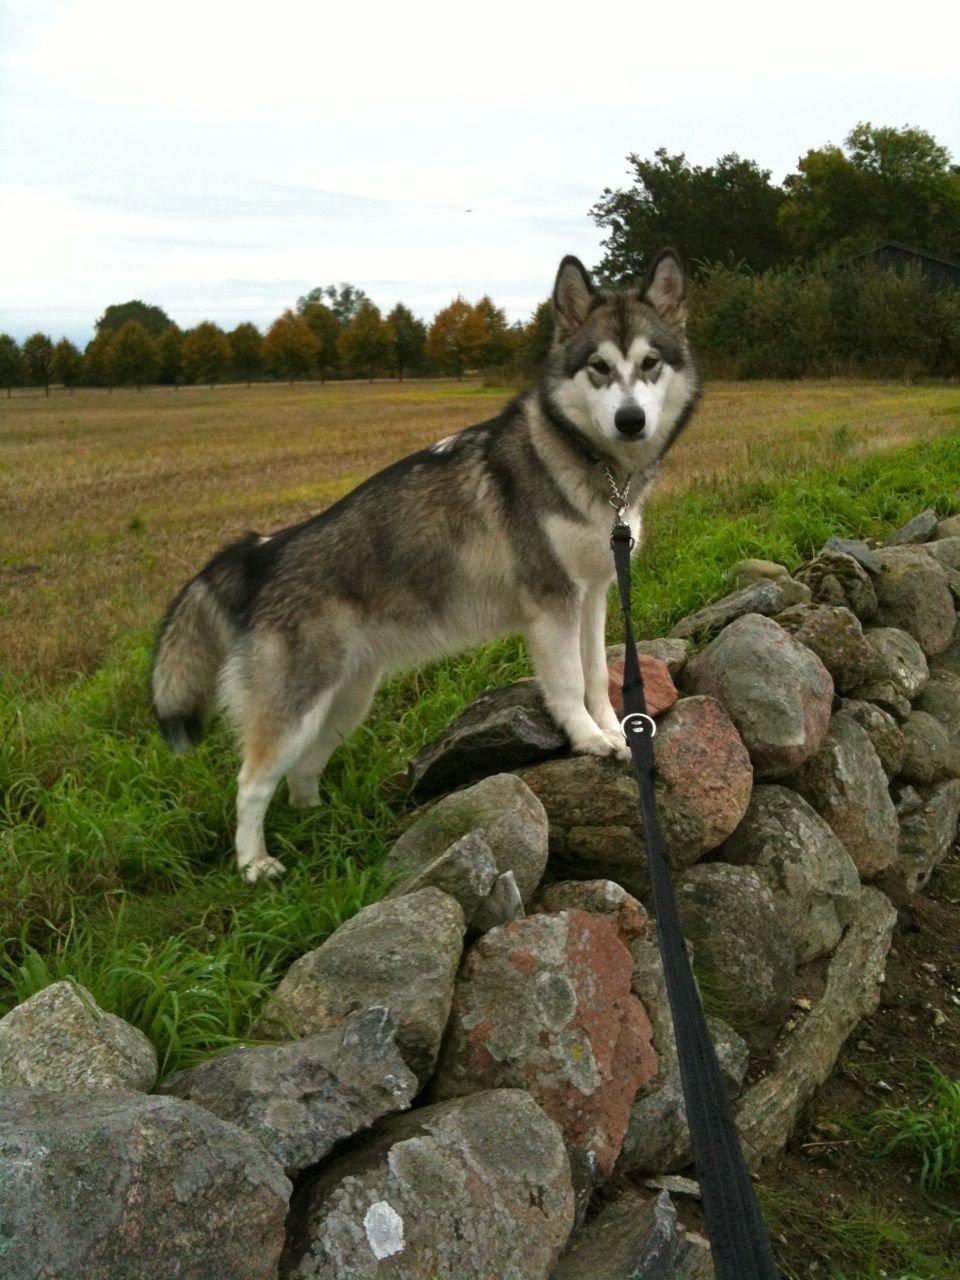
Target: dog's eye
<point>650,362</point>
<point>599,365</point>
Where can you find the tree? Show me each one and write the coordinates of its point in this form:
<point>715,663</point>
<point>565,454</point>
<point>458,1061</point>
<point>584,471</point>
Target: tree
<point>11,367</point>
<point>326,329</point>
<point>885,184</point>
<point>170,357</point>
<point>409,341</point>
<point>246,351</point>
<point>37,354</point>
<point>366,342</point>
<point>344,301</point>
<point>67,363</point>
<point>456,337</point>
<point>725,212</point>
<point>153,319</point>
<point>135,358</point>
<point>98,362</point>
<point>206,353</point>
<point>497,345</point>
<point>290,347</point>
<point>536,337</point>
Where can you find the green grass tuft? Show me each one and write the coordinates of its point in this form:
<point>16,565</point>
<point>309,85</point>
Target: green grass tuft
<point>929,1132</point>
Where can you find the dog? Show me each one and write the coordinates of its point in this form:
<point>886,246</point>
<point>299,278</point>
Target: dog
<point>503,527</point>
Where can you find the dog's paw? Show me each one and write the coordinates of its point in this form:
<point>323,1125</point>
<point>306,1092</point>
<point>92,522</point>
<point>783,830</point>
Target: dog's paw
<point>265,868</point>
<point>618,743</point>
<point>304,799</point>
<point>602,744</point>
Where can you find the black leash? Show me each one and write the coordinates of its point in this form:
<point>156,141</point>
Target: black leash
<point>738,1237</point>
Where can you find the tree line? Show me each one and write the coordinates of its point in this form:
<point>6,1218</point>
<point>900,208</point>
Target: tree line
<point>771,294</point>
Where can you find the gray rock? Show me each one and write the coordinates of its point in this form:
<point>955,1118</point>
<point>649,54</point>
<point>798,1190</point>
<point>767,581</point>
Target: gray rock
<point>671,651</point>
<point>846,785</point>
<point>947,551</point>
<point>467,871</point>
<point>930,756</point>
<point>811,876</point>
<point>473,1189</point>
<point>805,1056</point>
<point>61,1039</point>
<point>502,905</point>
<point>500,730</point>
<point>919,529</point>
<point>502,809</point>
<point>400,954</point>
<point>900,671</point>
<point>838,579</point>
<point>745,958</point>
<point>762,597</point>
<point>835,635</point>
<point>777,693</point>
<point>940,698</point>
<point>949,659</point>
<point>857,549</point>
<point>928,831</point>
<point>949,528</point>
<point>703,788</point>
<point>298,1100</point>
<point>882,730</point>
<point>123,1186</point>
<point>914,594</point>
<point>744,572</point>
<point>636,1237</point>
<point>599,897</point>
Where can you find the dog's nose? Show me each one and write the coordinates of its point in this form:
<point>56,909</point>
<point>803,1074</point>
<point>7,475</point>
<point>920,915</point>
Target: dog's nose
<point>630,420</point>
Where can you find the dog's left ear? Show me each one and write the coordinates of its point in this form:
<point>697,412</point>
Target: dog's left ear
<point>666,288</point>
<point>572,295</point>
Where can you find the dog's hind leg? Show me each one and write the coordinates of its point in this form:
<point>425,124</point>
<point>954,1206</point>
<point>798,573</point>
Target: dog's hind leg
<point>348,710</point>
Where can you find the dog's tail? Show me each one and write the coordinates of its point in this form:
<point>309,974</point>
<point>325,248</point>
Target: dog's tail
<point>195,636</point>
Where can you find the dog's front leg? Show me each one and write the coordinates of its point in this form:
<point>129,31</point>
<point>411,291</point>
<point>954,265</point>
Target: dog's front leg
<point>553,638</point>
<point>593,655</point>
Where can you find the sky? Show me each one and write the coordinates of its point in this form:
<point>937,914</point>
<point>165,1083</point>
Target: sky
<point>220,159</point>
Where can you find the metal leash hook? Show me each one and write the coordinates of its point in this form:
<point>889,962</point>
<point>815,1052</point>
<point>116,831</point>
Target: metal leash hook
<point>629,724</point>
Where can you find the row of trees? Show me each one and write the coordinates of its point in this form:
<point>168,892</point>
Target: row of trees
<point>333,332</point>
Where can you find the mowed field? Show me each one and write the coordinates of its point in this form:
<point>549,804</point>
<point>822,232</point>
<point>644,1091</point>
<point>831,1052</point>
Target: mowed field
<point>108,502</point>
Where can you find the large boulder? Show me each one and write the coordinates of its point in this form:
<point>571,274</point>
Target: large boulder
<point>466,871</point>
<point>703,787</point>
<point>847,786</point>
<point>810,875</point>
<point>636,1237</point>
<point>882,730</point>
<point>899,671</point>
<point>940,698</point>
<point>948,528</point>
<point>919,529</point>
<point>599,897</point>
<point>745,957</point>
<point>805,1057</point>
<point>929,754</point>
<point>659,691</point>
<point>949,659</point>
<point>400,954</point>
<point>298,1100</point>
<point>864,554</point>
<point>764,596</point>
<point>835,635</point>
<point>947,551</point>
<point>61,1039</point>
<point>914,594</point>
<point>114,1185</point>
<point>777,693</point>
<point>928,831</point>
<point>836,578</point>
<point>501,809</point>
<point>474,1188</point>
<point>544,1004</point>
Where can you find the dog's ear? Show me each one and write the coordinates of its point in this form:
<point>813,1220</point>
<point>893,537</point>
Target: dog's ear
<point>666,288</point>
<point>572,295</point>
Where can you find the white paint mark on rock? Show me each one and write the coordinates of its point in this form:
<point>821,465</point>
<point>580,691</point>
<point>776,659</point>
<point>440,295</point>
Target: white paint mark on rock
<point>384,1228</point>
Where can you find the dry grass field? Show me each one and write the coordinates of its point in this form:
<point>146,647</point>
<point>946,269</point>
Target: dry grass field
<point>109,501</point>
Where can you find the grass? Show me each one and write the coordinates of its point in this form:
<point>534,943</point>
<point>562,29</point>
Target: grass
<point>929,1132</point>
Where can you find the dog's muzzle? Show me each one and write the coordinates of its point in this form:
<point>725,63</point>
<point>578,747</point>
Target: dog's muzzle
<point>631,421</point>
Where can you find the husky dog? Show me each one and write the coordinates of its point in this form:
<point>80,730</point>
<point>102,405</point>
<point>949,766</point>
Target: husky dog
<point>502,527</point>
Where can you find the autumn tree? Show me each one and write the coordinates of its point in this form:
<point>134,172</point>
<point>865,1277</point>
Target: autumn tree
<point>37,354</point>
<point>206,353</point>
<point>170,357</point>
<point>290,347</point>
<point>153,319</point>
<point>67,363</point>
<point>246,352</point>
<point>456,337</point>
<point>135,359</point>
<point>343,300</point>
<point>365,343</point>
<point>409,341</point>
<point>326,329</point>
<point>98,362</point>
<point>11,368</point>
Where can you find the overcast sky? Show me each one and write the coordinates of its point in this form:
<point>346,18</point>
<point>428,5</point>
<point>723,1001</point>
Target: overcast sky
<point>220,159</point>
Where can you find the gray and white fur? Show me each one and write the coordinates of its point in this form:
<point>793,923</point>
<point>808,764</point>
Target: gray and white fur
<point>503,527</point>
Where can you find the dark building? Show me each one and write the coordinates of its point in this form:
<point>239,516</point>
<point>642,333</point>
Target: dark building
<point>891,256</point>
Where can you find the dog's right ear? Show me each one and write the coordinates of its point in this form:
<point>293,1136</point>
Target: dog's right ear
<point>572,296</point>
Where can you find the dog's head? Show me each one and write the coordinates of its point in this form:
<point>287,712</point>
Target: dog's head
<point>620,369</point>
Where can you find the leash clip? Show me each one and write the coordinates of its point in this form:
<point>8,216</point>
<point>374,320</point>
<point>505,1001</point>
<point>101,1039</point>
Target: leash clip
<point>632,724</point>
